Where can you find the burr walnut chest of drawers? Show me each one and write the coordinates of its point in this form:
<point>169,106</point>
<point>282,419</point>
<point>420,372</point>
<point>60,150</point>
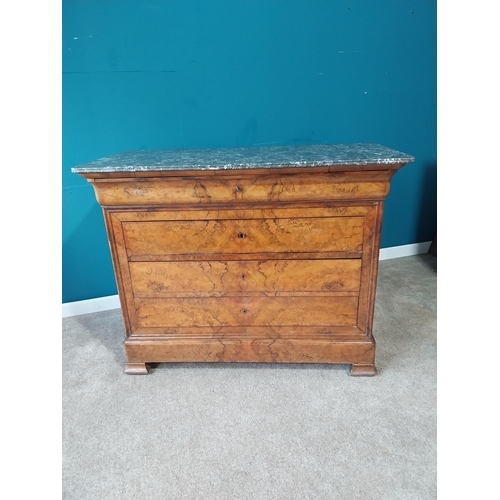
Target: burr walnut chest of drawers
<point>260,254</point>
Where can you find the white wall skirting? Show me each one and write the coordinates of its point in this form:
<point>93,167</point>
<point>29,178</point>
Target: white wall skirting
<point>90,306</point>
<point>113,302</point>
<point>404,250</point>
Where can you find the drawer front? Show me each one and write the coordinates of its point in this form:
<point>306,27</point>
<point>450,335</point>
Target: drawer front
<point>254,189</point>
<point>247,311</point>
<point>160,279</point>
<point>243,236</point>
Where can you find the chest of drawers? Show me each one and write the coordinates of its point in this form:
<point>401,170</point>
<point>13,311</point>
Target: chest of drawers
<point>247,254</point>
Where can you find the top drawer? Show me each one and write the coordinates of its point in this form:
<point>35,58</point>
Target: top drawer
<point>301,234</point>
<point>207,190</point>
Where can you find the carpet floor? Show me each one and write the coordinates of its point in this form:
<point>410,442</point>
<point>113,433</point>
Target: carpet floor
<point>258,431</point>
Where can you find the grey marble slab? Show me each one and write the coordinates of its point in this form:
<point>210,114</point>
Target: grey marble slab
<point>246,158</point>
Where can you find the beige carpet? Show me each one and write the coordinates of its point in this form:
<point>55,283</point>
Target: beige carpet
<point>256,431</point>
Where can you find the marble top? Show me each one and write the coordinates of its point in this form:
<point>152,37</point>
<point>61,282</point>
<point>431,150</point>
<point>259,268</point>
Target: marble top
<point>246,158</point>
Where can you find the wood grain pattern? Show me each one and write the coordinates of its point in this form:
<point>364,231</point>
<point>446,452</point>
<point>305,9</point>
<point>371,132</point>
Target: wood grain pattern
<point>199,257</point>
<point>347,333</point>
<point>269,350</point>
<point>244,211</point>
<point>250,266</point>
<point>257,310</point>
<point>121,270</point>
<point>369,271</point>
<point>230,189</point>
<point>244,236</point>
<point>206,278</point>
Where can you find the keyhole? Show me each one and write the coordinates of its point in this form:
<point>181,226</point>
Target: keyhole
<point>241,236</point>
<point>243,276</point>
<point>238,189</point>
<point>244,311</point>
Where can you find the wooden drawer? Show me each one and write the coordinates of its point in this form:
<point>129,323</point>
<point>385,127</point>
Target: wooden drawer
<point>247,311</point>
<point>320,234</point>
<point>163,279</point>
<point>251,188</point>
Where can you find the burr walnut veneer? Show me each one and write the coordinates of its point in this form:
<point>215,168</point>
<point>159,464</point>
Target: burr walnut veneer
<point>247,254</point>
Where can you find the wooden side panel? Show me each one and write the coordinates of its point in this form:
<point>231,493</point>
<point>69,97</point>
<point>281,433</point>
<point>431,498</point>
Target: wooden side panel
<point>369,269</point>
<point>244,236</point>
<point>163,279</point>
<point>257,310</point>
<point>122,274</point>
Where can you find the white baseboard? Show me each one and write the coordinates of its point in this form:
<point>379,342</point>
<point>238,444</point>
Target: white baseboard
<point>113,302</point>
<point>90,306</point>
<point>404,250</point>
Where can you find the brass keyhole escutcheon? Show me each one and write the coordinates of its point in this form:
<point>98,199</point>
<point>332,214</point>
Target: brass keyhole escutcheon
<point>241,235</point>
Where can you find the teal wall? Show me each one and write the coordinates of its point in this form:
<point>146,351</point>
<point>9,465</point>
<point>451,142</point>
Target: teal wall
<point>144,74</point>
